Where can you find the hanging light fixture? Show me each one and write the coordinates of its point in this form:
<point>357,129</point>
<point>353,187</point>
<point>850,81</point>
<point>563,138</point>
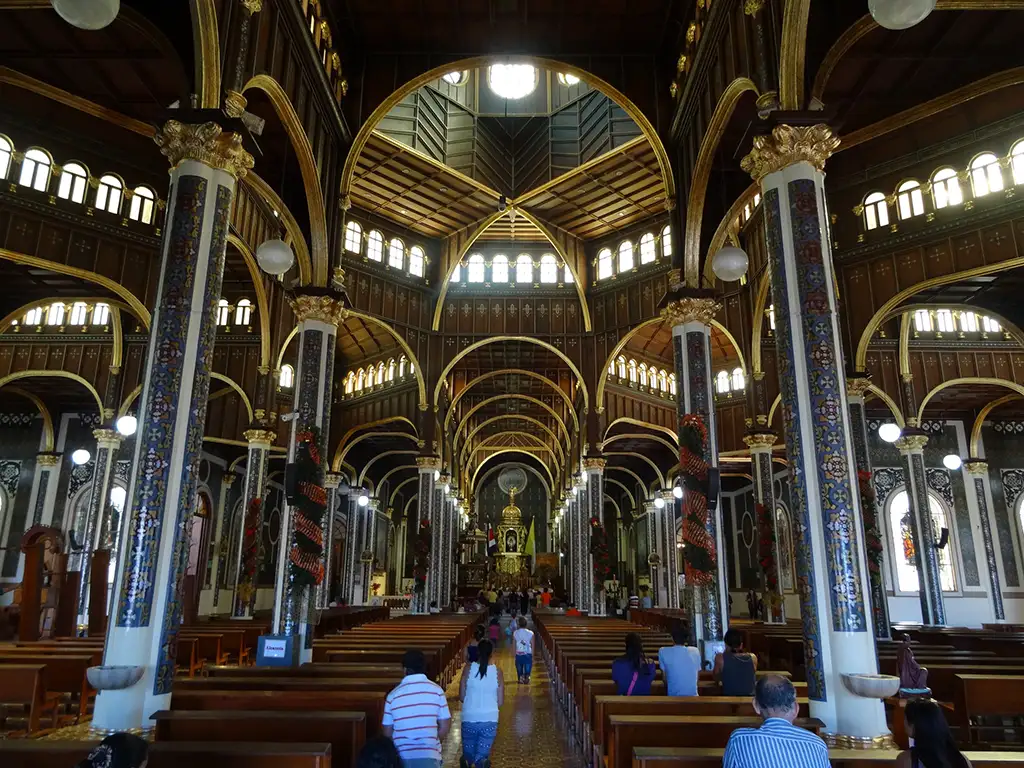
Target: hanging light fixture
<point>889,432</point>
<point>81,456</point>
<point>87,14</point>
<point>659,503</point>
<point>677,491</point>
<point>275,257</point>
<point>952,461</point>
<point>730,264</point>
<point>127,425</point>
<point>900,14</point>
<point>363,500</point>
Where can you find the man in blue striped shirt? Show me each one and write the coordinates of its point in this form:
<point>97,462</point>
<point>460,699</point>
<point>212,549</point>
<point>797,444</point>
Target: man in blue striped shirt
<point>777,743</point>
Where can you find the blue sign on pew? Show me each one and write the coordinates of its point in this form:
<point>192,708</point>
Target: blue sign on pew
<point>277,651</point>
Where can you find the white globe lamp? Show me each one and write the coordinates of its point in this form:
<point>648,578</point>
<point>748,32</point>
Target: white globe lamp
<point>900,14</point>
<point>275,257</point>
<point>126,425</point>
<point>677,491</point>
<point>730,264</point>
<point>952,461</point>
<point>659,502</point>
<point>80,457</point>
<point>363,500</point>
<point>889,432</point>
<point>87,14</point>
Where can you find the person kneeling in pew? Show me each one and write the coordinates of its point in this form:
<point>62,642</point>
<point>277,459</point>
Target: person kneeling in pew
<point>777,743</point>
<point>934,745</point>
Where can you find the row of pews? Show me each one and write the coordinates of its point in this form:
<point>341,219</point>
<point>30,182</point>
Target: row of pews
<point>659,731</point>
<point>318,715</point>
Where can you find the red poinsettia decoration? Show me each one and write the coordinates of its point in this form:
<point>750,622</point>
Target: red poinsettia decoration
<point>700,547</point>
<point>599,549</point>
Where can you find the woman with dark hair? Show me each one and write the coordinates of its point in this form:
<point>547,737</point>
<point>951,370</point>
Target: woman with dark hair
<point>934,745</point>
<point>472,648</point>
<point>379,752</point>
<point>119,750</point>
<point>735,670</point>
<point>632,672</point>
<point>482,692</point>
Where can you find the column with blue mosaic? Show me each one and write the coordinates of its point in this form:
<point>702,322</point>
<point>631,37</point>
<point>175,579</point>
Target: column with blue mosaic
<point>243,600</point>
<point>97,522</point>
<point>760,444</point>
<point>980,482</point>
<point>221,540</point>
<point>332,483</point>
<point>43,500</point>
<point>153,552</point>
<point>429,468</point>
<point>839,646</point>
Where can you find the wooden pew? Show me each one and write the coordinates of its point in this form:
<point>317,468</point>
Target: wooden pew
<point>942,677</point>
<point>695,757</point>
<point>990,695</point>
<point>269,684</point>
<point>344,731</point>
<point>64,674</point>
<point>317,670</point>
<point>28,753</point>
<point>25,685</point>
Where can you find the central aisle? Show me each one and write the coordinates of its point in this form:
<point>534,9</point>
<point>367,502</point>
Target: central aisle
<point>532,732</point>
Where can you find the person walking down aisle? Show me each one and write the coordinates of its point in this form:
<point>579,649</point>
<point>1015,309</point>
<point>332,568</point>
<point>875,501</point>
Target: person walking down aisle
<point>680,664</point>
<point>633,673</point>
<point>934,745</point>
<point>777,743</point>
<point>472,648</point>
<point>482,692</point>
<point>735,669</point>
<point>523,640</point>
<point>416,715</point>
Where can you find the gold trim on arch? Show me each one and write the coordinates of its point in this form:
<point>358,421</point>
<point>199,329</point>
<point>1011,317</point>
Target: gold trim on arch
<point>523,451</point>
<point>504,372</point>
<point>992,381</point>
<point>640,436</point>
<point>135,306</point>
<point>378,457</point>
<point>494,419</point>
<point>206,42</point>
<point>702,168</point>
<point>903,347</point>
<point>850,37</point>
<point>365,435</point>
<point>479,62</point>
<point>886,310</point>
<point>882,395</point>
<point>725,229</point>
<point>775,405</point>
<point>503,338</point>
<point>417,370</point>
<point>394,493</point>
<point>481,227</point>
<point>644,424</point>
<point>399,468</point>
<point>621,485</point>
<point>284,347</point>
<point>320,247</point>
<point>511,396</point>
<point>117,332</point>
<point>757,322</point>
<point>291,226</point>
<point>979,422</point>
<point>628,471</point>
<point>262,303</point>
<point>127,403</point>
<point>44,412</point>
<point>660,477</point>
<point>18,375</point>
<point>793,54</point>
<point>336,461</point>
<point>242,444</point>
<point>235,386</point>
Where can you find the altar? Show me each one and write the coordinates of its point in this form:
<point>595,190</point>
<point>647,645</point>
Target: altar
<point>511,537</point>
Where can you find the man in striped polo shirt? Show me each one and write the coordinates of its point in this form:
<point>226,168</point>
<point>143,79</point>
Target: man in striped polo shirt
<point>416,715</point>
<point>777,743</point>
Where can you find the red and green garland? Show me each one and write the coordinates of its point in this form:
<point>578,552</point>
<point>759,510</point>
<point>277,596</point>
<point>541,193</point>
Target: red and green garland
<point>421,562</point>
<point>599,549</point>
<point>310,504</point>
<point>699,552</point>
<point>872,535</point>
<point>250,553</point>
<point>766,530</point>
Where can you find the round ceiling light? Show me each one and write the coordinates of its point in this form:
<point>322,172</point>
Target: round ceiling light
<point>87,14</point>
<point>952,461</point>
<point>900,14</point>
<point>889,432</point>
<point>127,425</point>
<point>659,502</point>
<point>80,457</point>
<point>730,264</point>
<point>568,80</point>
<point>677,491</point>
<point>512,81</point>
<point>275,257</point>
<point>363,500</point>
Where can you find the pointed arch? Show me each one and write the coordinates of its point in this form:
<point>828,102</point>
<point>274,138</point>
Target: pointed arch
<point>1019,389</point>
<point>363,475</point>
<point>503,451</point>
<point>44,412</point>
<point>640,436</point>
<point>513,396</point>
<point>519,372</point>
<point>530,419</point>
<point>394,493</point>
<point>34,373</point>
<point>645,425</point>
<point>291,227</point>
<point>348,446</point>
<point>338,452</point>
<point>235,386</point>
<point>793,54</point>
<point>657,471</point>
<point>982,415</point>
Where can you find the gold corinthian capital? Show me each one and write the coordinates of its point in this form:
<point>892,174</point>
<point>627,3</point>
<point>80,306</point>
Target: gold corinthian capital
<point>690,310</point>
<point>326,309</point>
<point>205,143</point>
<point>789,144</point>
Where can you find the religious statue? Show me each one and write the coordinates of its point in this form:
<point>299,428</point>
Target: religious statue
<point>510,542</point>
<point>511,532</point>
<point>913,677</point>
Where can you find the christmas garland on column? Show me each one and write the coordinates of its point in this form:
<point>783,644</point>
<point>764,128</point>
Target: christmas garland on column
<point>699,553</point>
<point>309,506</point>
<point>599,549</point>
<point>250,551</point>
<point>872,535</point>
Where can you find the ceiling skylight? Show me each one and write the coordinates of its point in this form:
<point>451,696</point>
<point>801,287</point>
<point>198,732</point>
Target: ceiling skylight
<point>512,81</point>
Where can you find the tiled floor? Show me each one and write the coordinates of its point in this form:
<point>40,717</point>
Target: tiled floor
<point>532,731</point>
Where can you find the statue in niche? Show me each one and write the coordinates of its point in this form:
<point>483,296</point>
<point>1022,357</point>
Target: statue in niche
<point>913,677</point>
<point>511,543</point>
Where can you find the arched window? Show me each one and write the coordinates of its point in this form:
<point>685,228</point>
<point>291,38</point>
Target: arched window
<point>371,376</point>
<point>739,381</point>
<point>375,246</point>
<point>604,264</point>
<point>524,268</point>
<point>784,542</point>
<point>903,543</point>
<point>475,269</point>
<point>380,372</point>
<point>1016,162</point>
<point>722,382</point>
<point>457,274</point>
<point>622,367</point>
<point>391,370</point>
<point>143,201</point>
<point>663,381</point>
<point>986,176</point>
<point>100,314</point>
<point>946,188</point>
<point>499,269</point>
<point>243,312</point>
<point>647,250</point>
<point>567,275</point>
<point>353,237</point>
<point>989,325</point>
<point>968,322</point>
<point>631,367</point>
<point>401,366</point>
<point>944,321</point>
<point>34,316</point>
<point>548,269</point>
<point>286,379</point>
<point>360,380</point>
<point>568,80</point>
<point>55,314</point>
<point>73,179</point>
<point>223,312</point>
<point>35,170</point>
<point>922,321</point>
<point>672,383</point>
<point>396,254</point>
<point>642,371</point>
<point>6,154</point>
<point>910,200</point>
<point>79,313</point>
<point>350,383</point>
<point>666,241</point>
<point>876,211</point>
<point>625,256</point>
<point>611,368</point>
<point>771,316</point>
<point>459,77</point>
<point>108,194</point>
<point>416,261</point>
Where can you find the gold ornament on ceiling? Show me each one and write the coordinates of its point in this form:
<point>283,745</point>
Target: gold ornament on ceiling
<point>691,309</point>
<point>787,145</point>
<point>326,309</point>
<point>205,143</point>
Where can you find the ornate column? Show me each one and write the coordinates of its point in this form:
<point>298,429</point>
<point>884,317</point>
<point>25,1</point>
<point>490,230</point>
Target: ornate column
<point>318,316</point>
<point>346,588</point>
<point>977,470</point>
<point>447,551</point>
<point>332,482</point>
<point>429,476</point>
<point>438,553</point>
<point>579,545</point>
<point>172,411</point>
<point>856,388</point>
<point>97,523</point>
<point>649,530</point>
<point>760,444</point>
<point>690,313</point>
<point>368,546</point>
<point>44,488</point>
<point>593,473</point>
<point>220,541</point>
<point>243,601</point>
<point>911,446</point>
<point>830,556</point>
